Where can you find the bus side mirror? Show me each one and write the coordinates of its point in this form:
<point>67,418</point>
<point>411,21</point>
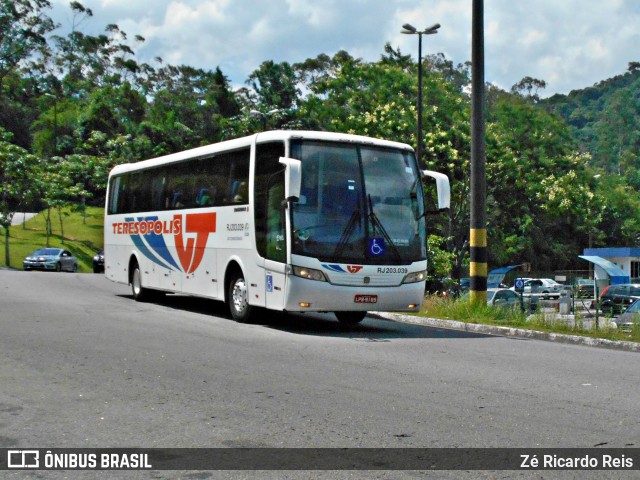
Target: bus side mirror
<point>292,178</point>
<point>443,188</point>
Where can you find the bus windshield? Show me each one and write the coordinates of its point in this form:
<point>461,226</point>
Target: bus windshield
<point>359,204</point>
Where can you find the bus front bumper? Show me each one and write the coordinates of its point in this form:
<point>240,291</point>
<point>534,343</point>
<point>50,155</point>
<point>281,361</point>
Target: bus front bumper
<point>312,296</point>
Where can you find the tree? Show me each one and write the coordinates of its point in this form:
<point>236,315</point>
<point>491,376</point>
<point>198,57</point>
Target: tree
<point>619,221</point>
<point>275,85</point>
<point>529,85</point>
<point>57,189</point>
<point>616,131</point>
<point>113,110</point>
<point>16,183</point>
<point>55,129</point>
<point>187,109</point>
<point>18,110</point>
<point>23,30</point>
<point>226,101</point>
<point>84,62</point>
<point>440,260</point>
<point>271,102</point>
<point>539,192</point>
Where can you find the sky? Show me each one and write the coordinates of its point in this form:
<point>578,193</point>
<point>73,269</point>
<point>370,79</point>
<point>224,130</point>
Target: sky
<point>570,44</point>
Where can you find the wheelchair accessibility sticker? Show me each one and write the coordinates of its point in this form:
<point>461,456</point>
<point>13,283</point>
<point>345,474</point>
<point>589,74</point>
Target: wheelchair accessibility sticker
<point>376,246</point>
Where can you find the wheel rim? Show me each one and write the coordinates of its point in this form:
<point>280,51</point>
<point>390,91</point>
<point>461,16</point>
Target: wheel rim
<point>135,282</point>
<point>239,295</point>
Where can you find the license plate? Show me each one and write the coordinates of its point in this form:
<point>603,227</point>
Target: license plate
<point>366,299</point>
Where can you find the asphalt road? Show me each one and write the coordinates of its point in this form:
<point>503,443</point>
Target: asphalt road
<point>83,365</point>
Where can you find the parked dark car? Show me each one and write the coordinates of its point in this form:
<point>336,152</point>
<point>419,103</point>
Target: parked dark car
<point>585,288</point>
<point>57,259</point>
<point>98,262</point>
<point>616,299</point>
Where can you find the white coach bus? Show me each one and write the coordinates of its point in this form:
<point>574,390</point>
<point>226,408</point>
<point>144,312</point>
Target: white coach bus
<point>286,220</point>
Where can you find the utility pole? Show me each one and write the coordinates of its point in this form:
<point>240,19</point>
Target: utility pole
<point>478,228</point>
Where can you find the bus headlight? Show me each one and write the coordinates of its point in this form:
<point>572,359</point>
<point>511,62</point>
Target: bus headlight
<point>415,277</point>
<point>309,273</point>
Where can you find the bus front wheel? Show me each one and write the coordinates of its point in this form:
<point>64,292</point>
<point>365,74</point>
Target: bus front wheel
<point>350,318</point>
<point>238,298</point>
<point>140,293</point>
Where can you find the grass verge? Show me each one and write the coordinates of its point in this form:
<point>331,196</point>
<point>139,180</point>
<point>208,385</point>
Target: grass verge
<point>464,311</point>
<point>82,236</point>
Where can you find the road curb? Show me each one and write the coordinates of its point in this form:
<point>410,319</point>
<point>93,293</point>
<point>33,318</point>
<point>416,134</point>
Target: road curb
<point>513,332</point>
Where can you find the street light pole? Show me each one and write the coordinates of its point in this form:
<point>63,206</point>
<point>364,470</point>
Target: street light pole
<point>409,29</point>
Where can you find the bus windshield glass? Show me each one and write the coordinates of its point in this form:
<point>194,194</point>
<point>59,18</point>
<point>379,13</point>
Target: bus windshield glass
<point>359,203</point>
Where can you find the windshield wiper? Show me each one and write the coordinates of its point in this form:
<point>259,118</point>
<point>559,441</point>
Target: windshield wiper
<point>375,221</point>
<point>346,233</point>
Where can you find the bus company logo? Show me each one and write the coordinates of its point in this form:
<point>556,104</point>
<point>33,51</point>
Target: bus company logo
<point>340,269</point>
<point>23,459</point>
<point>190,231</point>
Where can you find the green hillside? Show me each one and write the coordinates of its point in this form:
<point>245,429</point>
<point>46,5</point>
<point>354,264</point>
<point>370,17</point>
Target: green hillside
<point>605,120</point>
<point>83,238</point>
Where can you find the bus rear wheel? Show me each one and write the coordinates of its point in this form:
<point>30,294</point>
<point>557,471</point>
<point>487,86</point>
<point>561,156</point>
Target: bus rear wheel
<point>350,318</point>
<point>238,298</point>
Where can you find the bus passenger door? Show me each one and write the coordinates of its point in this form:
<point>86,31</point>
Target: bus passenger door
<point>269,211</point>
<point>276,244</point>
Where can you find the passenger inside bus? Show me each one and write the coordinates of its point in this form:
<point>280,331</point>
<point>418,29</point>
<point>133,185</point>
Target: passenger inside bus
<point>204,199</point>
<point>241,193</point>
<point>177,200</point>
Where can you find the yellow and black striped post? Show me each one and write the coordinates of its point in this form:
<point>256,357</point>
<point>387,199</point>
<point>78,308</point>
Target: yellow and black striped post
<point>478,265</point>
<point>478,230</point>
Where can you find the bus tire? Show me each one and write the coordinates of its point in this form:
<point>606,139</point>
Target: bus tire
<point>350,318</point>
<point>238,298</point>
<point>140,294</point>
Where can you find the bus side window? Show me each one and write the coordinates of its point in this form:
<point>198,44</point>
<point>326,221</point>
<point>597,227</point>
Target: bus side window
<point>235,167</point>
<point>204,190</point>
<point>114,195</point>
<point>124,193</point>
<point>158,181</point>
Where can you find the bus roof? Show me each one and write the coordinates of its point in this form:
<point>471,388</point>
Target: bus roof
<point>249,140</point>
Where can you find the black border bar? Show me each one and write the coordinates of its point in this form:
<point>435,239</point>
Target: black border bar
<point>320,459</point>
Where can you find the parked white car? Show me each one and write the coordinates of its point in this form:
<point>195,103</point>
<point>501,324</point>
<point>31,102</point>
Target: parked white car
<point>545,287</point>
<point>500,297</point>
<point>57,259</point>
